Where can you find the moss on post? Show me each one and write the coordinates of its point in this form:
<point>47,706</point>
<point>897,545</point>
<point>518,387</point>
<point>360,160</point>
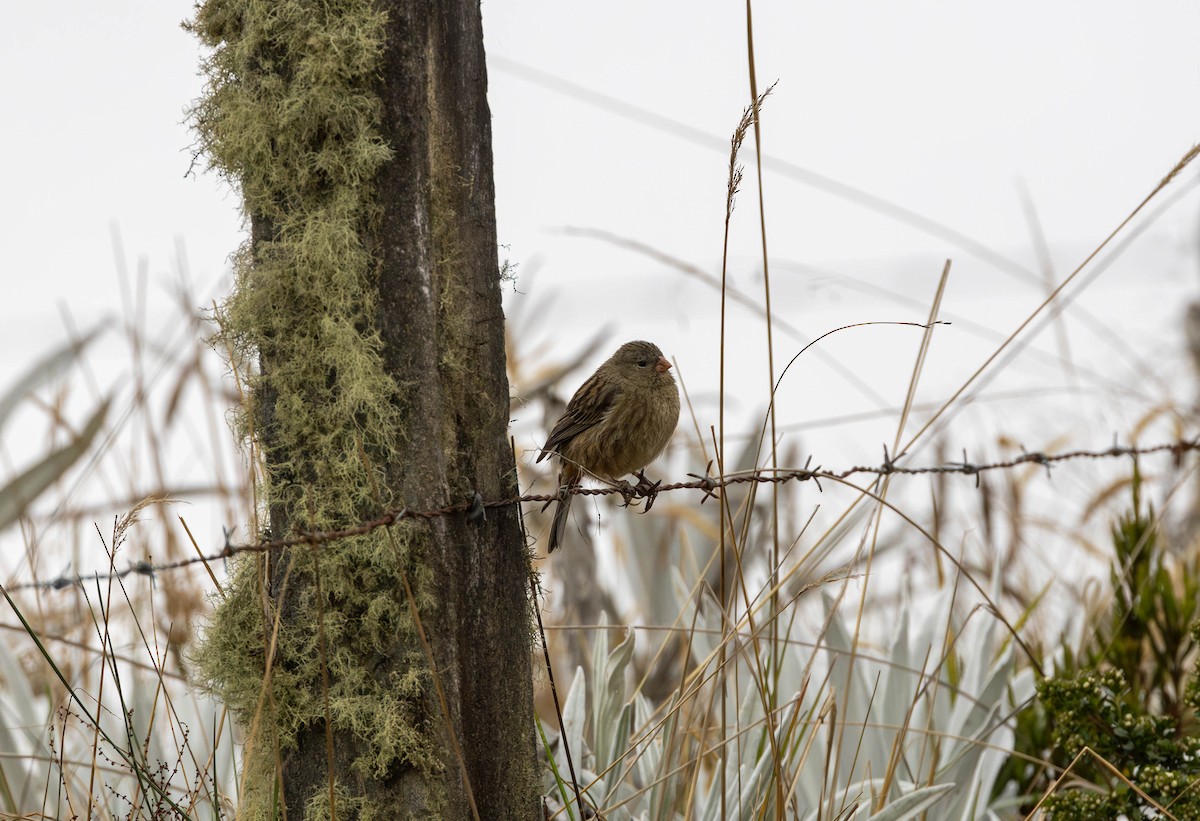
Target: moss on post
<point>291,116</point>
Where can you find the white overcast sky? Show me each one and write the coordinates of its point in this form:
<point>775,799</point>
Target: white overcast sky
<point>942,108</point>
<point>936,106</point>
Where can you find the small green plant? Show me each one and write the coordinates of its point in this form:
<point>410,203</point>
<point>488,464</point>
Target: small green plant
<point>1155,605</point>
<point>1119,712</point>
<point>1098,712</point>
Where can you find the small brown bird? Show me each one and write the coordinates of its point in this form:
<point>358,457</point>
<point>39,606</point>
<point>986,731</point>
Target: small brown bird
<point>618,421</point>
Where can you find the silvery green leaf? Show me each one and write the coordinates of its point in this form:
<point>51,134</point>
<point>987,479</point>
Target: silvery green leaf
<point>20,714</point>
<point>574,717</point>
<point>620,744</point>
<point>657,770</point>
<point>608,680</point>
<point>755,785</point>
<point>902,680</point>
<point>910,806</point>
<point>649,755</point>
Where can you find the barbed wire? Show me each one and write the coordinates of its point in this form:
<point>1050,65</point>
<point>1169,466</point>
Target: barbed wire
<point>476,508</point>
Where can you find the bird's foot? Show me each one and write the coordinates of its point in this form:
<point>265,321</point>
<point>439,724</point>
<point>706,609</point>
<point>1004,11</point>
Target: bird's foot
<point>647,489</point>
<point>628,492</point>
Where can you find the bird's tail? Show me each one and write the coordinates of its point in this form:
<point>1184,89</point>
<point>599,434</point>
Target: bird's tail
<point>562,511</point>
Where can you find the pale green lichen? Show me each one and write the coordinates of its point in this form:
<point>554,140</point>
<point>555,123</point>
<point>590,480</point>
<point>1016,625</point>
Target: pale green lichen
<point>348,805</point>
<point>291,116</point>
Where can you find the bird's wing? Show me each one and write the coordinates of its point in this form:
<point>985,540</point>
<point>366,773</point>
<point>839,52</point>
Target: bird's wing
<point>586,408</point>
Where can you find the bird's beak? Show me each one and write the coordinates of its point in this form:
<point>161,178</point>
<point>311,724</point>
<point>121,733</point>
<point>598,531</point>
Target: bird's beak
<point>662,366</point>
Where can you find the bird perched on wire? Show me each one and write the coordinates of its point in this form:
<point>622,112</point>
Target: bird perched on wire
<point>618,421</point>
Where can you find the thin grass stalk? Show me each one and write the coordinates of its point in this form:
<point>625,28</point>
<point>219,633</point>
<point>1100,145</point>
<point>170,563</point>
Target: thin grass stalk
<point>216,779</point>
<point>991,605</point>
<point>729,547</point>
<point>140,766</point>
<point>761,677</point>
<point>535,599</point>
<point>562,792</point>
<point>929,687</point>
<point>735,177</point>
<point>161,685</point>
<point>207,567</point>
<point>562,730</point>
<point>732,188</point>
<point>755,662</point>
<point>741,731</point>
<point>762,222</point>
<point>919,365</point>
<point>910,396</point>
<point>104,645</point>
<point>62,792</point>
<point>897,751</point>
<point>126,755</point>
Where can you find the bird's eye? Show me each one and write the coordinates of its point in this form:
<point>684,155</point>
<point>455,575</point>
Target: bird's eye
<point>643,363</point>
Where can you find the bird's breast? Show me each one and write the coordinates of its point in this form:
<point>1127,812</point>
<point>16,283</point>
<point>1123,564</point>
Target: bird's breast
<point>631,435</point>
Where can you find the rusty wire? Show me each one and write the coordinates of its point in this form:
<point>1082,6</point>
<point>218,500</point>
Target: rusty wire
<point>475,509</point>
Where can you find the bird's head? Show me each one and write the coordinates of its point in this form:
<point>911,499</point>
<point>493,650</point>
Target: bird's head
<point>642,362</point>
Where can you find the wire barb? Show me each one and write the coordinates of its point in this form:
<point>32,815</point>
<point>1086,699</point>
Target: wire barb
<point>708,484</point>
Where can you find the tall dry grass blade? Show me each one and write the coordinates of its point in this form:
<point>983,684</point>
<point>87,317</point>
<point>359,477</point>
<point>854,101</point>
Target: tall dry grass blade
<point>762,225</point>
<point>733,185</point>
<point>203,560</point>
